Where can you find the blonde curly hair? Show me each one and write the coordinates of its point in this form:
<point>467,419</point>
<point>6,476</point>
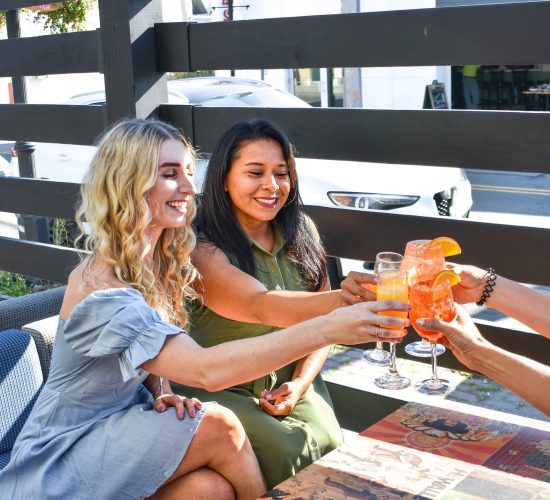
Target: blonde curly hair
<point>116,214</point>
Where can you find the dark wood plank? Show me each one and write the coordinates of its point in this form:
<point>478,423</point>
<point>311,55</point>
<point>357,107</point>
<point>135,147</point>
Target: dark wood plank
<point>519,253</point>
<point>43,261</point>
<point>51,123</point>
<point>420,37</point>
<point>172,44</point>
<point>358,409</point>
<point>18,4</point>
<point>51,54</point>
<point>494,140</point>
<point>38,197</point>
<point>133,85</point>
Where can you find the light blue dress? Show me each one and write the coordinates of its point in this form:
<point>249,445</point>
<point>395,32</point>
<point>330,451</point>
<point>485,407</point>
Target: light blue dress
<point>93,432</point>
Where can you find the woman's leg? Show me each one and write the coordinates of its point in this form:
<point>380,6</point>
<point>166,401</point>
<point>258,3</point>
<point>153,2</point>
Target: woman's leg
<point>202,484</point>
<point>221,445</point>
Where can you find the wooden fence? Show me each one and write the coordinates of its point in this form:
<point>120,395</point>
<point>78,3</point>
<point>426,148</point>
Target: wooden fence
<point>133,49</point>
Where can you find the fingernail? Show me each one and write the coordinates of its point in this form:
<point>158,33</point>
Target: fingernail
<point>199,406</point>
<point>180,415</point>
<point>269,396</point>
<point>192,413</point>
<point>420,322</point>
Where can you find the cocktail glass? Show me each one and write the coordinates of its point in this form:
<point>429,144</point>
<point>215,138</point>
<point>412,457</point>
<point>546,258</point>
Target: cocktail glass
<point>423,262</point>
<point>431,301</point>
<point>385,261</point>
<point>392,285</point>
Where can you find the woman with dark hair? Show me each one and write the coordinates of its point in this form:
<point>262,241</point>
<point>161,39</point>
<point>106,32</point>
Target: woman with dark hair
<point>263,267</point>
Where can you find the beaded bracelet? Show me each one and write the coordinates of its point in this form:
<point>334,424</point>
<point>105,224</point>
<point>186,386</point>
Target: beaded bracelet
<point>490,280</point>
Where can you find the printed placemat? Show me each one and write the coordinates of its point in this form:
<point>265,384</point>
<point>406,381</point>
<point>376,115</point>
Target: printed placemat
<point>443,432</point>
<point>527,454</point>
<point>483,483</point>
<point>366,468</point>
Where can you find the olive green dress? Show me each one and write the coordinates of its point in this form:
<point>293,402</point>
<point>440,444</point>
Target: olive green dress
<point>283,445</point>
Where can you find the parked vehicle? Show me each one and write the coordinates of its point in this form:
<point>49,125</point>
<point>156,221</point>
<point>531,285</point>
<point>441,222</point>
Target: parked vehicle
<point>419,190</point>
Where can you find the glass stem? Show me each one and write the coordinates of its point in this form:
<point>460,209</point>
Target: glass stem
<point>392,369</point>
<point>434,361</point>
<point>380,345</point>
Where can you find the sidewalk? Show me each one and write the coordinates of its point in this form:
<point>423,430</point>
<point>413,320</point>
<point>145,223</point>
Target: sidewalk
<point>345,366</point>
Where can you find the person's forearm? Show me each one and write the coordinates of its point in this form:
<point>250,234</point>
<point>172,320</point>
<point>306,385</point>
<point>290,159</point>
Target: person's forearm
<point>307,368</point>
<point>286,307</point>
<point>531,307</point>
<point>242,360</point>
<point>527,378</point>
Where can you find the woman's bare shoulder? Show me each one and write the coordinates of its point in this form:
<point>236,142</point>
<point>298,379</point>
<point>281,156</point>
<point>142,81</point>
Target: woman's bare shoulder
<point>86,278</point>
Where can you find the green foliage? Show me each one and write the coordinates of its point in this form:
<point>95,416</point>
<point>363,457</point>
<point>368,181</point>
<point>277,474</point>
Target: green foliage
<point>15,285</point>
<point>71,16</point>
<point>190,74</point>
<point>12,285</point>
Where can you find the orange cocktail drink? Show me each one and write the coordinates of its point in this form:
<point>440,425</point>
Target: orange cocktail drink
<point>429,300</point>
<point>393,285</point>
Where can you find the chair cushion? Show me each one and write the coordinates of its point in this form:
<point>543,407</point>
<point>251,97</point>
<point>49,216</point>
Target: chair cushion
<point>18,311</point>
<point>43,332</point>
<point>20,383</point>
<point>4,459</point>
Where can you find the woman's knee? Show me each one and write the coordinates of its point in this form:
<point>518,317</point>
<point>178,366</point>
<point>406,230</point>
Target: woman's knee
<point>219,421</point>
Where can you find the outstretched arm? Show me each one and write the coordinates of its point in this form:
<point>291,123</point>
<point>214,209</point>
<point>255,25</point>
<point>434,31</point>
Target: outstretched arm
<point>509,297</point>
<point>232,293</point>
<point>215,368</point>
<point>528,378</point>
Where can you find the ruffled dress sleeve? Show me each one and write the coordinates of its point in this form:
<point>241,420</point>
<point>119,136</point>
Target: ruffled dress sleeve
<point>118,322</point>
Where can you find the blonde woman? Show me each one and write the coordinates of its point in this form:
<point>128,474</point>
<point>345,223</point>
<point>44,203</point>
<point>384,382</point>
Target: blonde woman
<point>94,430</point>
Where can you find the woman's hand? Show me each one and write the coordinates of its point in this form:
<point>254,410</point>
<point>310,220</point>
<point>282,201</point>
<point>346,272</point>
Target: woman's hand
<point>179,403</point>
<point>281,401</point>
<point>472,283</point>
<point>460,335</point>
<point>361,323</point>
<point>358,287</point>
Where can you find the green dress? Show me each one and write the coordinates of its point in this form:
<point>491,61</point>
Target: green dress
<point>283,445</point>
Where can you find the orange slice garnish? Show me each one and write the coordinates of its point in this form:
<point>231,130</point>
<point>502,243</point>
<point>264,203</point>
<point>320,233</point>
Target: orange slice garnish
<point>448,245</point>
<point>446,275</point>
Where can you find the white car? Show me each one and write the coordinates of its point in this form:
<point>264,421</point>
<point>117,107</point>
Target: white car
<point>418,190</point>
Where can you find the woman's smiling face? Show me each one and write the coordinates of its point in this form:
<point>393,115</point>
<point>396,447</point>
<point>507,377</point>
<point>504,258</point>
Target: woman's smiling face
<point>258,182</point>
<point>174,189</point>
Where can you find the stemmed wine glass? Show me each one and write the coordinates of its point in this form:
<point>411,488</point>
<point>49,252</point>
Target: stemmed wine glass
<point>385,261</point>
<point>423,262</point>
<point>428,300</point>
<point>392,285</point>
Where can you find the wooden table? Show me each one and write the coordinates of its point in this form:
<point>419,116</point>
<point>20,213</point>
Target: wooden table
<point>421,451</point>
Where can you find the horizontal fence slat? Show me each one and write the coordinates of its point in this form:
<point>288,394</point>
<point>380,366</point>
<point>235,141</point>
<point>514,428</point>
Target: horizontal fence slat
<point>51,123</point>
<point>42,261</point>
<point>51,54</point>
<point>493,140</point>
<point>38,197</point>
<point>422,37</point>
<point>519,253</point>
<point>18,4</point>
